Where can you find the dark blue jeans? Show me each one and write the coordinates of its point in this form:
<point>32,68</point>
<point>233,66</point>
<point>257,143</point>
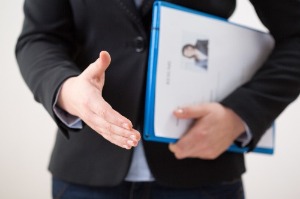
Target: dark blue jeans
<point>147,190</point>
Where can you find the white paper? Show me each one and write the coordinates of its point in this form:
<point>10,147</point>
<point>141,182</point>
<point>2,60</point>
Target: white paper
<point>233,55</point>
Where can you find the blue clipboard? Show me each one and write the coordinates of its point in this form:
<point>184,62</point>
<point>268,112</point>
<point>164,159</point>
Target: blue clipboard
<point>149,117</point>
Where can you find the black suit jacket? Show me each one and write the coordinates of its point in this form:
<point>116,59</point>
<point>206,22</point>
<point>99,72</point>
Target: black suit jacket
<point>60,38</point>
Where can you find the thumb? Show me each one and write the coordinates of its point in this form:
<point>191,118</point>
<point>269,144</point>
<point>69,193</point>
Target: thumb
<point>189,112</point>
<point>97,69</point>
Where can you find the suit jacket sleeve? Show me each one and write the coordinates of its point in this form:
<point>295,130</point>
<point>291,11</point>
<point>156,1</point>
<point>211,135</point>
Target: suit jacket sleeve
<point>44,50</point>
<point>277,83</point>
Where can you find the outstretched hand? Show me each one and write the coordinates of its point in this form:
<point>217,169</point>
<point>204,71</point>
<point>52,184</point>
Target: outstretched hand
<point>82,96</point>
<point>214,130</point>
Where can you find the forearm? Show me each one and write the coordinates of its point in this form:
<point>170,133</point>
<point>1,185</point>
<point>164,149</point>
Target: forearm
<point>277,83</point>
<point>66,118</point>
<point>44,50</point>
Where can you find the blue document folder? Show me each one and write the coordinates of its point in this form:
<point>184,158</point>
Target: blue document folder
<point>227,56</point>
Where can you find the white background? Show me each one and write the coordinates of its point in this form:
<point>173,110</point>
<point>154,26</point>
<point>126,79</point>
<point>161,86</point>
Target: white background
<point>27,132</point>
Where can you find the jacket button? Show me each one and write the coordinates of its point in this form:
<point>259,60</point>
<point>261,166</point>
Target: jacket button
<point>139,44</point>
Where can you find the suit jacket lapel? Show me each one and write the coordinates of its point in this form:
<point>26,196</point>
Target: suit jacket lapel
<point>146,7</point>
<point>130,9</point>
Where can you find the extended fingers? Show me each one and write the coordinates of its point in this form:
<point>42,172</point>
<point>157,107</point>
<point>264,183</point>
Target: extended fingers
<point>103,110</point>
<point>114,127</point>
<point>118,135</point>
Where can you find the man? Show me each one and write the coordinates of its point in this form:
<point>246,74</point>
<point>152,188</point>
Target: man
<point>98,101</point>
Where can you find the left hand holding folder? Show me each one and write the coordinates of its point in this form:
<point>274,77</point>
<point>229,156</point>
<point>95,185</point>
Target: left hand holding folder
<point>214,130</point>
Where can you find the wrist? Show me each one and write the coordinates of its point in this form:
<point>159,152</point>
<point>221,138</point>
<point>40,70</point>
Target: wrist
<point>63,100</point>
<point>238,124</point>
